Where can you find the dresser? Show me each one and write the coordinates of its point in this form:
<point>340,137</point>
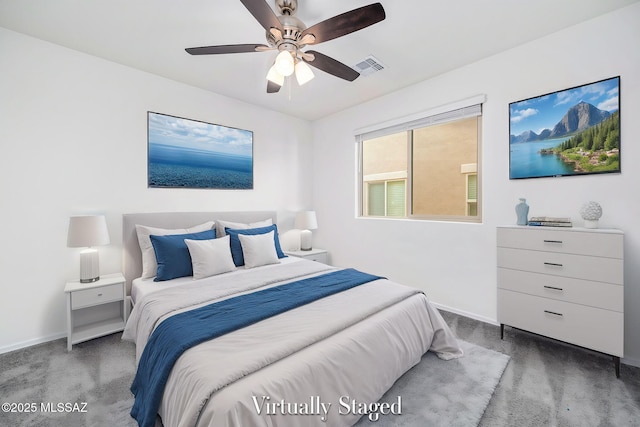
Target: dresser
<point>563,283</point>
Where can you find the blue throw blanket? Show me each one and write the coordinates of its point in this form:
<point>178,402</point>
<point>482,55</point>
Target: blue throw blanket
<point>182,331</point>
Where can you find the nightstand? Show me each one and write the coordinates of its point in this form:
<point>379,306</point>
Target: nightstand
<point>315,254</point>
<point>95,309</point>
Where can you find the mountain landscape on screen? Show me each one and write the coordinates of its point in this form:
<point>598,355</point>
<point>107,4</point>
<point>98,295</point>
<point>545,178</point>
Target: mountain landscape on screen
<point>578,118</point>
<point>571,132</point>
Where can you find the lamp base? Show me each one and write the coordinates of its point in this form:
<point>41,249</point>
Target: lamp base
<point>305,240</point>
<point>89,266</point>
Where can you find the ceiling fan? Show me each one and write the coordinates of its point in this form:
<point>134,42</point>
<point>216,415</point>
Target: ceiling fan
<point>288,35</point>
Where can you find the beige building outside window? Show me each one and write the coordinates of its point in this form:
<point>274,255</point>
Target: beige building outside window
<point>428,171</point>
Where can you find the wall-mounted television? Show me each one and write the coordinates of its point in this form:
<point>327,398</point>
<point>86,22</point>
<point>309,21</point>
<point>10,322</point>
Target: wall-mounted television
<point>185,153</point>
<point>570,132</point>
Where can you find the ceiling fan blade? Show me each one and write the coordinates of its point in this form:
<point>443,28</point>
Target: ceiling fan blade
<point>331,66</point>
<point>346,23</point>
<point>272,87</point>
<point>263,13</point>
<point>227,48</point>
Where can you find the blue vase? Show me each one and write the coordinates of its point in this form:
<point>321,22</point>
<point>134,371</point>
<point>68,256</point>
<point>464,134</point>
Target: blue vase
<point>522,210</point>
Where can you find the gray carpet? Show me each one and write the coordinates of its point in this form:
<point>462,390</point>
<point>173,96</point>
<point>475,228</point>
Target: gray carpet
<point>98,372</point>
<point>545,383</point>
<point>549,383</point>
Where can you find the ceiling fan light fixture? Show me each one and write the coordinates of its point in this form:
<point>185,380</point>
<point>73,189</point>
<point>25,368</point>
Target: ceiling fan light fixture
<point>303,73</point>
<point>274,76</point>
<point>284,63</point>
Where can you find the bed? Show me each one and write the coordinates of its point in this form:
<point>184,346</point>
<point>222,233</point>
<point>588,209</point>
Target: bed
<point>322,360</point>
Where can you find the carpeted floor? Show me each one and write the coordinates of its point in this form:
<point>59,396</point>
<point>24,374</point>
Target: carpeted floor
<point>545,383</point>
<point>549,383</point>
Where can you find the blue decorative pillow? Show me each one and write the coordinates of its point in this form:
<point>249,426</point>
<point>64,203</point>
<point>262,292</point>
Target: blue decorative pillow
<point>236,246</point>
<point>173,256</point>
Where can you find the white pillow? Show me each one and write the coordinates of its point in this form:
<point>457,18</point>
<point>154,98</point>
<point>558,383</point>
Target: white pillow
<point>258,249</point>
<point>240,226</point>
<point>149,264</point>
<point>210,257</point>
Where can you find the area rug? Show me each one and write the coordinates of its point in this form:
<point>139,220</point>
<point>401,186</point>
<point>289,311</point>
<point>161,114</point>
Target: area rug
<point>453,393</point>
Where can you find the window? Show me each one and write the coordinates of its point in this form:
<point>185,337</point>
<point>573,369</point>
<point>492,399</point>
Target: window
<point>385,176</point>
<point>423,169</point>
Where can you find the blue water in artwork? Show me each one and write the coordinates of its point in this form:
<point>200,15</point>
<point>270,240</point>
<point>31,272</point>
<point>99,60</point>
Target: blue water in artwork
<point>171,166</point>
<point>526,161</point>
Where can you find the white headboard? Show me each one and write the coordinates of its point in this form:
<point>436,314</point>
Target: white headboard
<point>132,257</point>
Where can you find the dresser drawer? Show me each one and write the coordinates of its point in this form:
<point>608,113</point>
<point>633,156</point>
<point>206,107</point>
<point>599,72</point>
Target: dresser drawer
<point>608,270</point>
<point>594,243</point>
<point>598,329</point>
<point>585,292</point>
<point>94,296</point>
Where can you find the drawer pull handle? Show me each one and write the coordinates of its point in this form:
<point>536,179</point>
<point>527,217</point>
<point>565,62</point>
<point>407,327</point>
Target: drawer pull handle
<point>553,287</point>
<point>99,295</point>
<point>559,242</point>
<point>553,264</point>
<point>553,312</point>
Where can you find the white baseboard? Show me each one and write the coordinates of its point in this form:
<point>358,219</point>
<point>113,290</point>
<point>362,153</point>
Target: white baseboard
<point>29,343</point>
<point>466,314</point>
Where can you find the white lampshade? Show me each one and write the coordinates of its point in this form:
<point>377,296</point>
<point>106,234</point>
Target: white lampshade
<point>85,232</point>
<point>303,73</point>
<point>284,63</point>
<point>274,76</point>
<point>305,222</point>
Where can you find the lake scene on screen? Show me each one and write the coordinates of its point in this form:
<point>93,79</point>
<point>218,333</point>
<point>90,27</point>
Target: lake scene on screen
<point>184,153</point>
<point>575,131</point>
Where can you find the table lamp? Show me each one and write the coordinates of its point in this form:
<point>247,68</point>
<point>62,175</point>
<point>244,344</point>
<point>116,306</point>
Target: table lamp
<point>85,232</point>
<point>305,222</point>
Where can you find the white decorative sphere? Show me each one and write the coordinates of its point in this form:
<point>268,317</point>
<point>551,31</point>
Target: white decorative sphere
<point>591,211</point>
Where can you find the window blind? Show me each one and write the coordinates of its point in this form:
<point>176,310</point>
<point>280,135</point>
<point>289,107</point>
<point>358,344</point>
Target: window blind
<point>455,111</point>
<point>376,199</point>
<point>395,198</point>
<point>472,187</point>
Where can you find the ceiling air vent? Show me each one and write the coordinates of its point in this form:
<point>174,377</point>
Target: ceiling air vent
<point>369,65</point>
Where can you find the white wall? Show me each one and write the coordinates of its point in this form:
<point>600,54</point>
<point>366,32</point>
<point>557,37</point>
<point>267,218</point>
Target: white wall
<point>455,263</point>
<point>73,133</point>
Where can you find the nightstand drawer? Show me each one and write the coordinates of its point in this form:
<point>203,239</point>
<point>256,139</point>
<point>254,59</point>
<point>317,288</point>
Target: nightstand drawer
<point>95,296</point>
<point>318,258</point>
<point>315,254</point>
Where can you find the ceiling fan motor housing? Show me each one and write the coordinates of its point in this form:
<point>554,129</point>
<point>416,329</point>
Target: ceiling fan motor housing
<point>292,27</point>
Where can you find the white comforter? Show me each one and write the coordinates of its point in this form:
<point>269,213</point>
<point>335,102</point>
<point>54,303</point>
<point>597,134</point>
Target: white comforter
<point>305,367</point>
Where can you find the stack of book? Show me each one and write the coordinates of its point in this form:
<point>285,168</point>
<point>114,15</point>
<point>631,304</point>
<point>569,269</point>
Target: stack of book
<point>548,221</point>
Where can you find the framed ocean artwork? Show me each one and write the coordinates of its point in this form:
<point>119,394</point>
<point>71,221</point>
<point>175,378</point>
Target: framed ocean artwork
<point>185,153</point>
<point>574,131</point>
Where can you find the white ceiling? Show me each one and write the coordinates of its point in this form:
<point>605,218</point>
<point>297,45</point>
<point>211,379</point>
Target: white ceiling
<point>419,39</point>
